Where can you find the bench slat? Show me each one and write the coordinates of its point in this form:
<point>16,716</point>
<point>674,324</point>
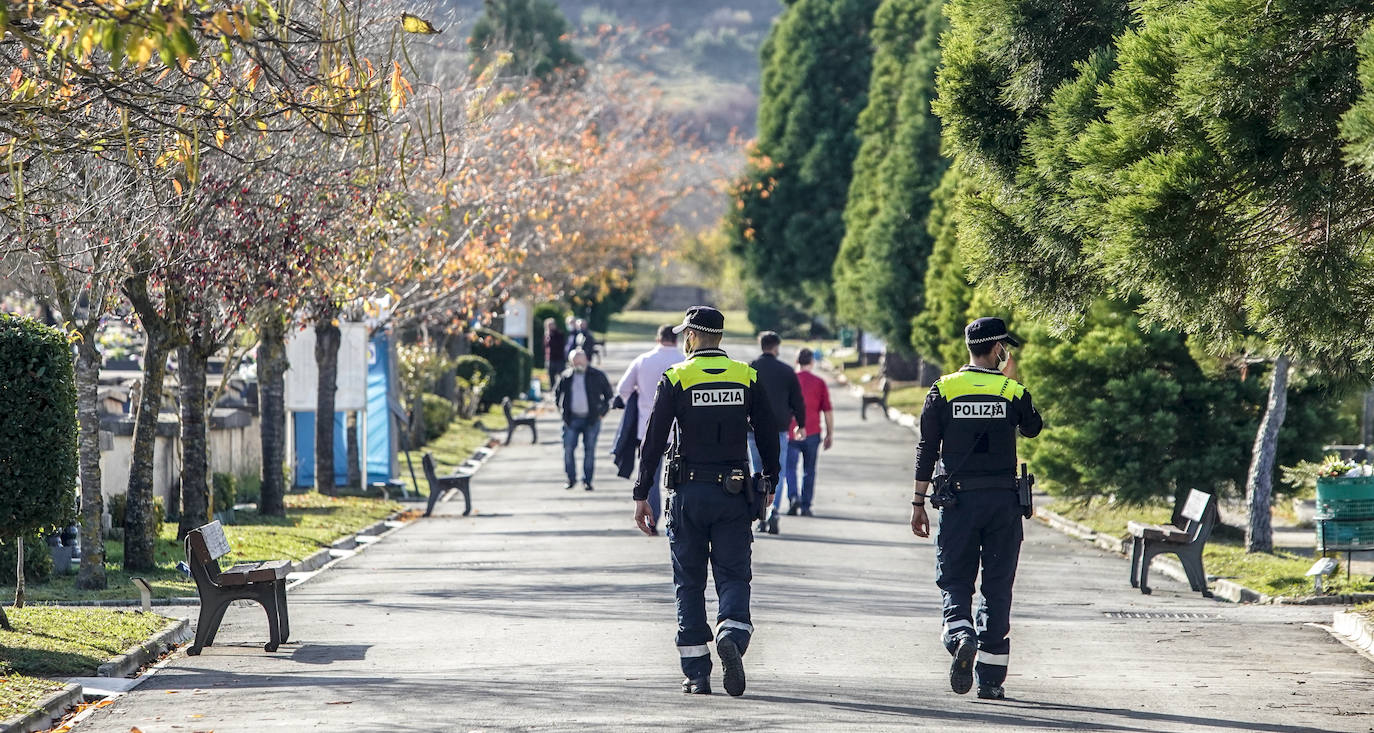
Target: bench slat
<point>1158,532</point>
<point>255,572</point>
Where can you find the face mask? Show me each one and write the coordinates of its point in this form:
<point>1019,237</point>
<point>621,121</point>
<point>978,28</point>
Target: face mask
<point>689,345</point>
<point>580,369</point>
<point>1003,358</point>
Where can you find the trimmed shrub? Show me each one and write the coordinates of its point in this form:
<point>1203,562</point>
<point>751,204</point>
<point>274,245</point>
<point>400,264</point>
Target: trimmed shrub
<point>512,364</point>
<point>225,491</point>
<point>37,561</point>
<point>249,488</point>
<point>438,412</point>
<point>476,370</point>
<point>37,434</point>
<point>116,505</point>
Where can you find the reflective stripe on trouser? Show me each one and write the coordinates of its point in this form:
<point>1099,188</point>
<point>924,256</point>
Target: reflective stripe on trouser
<point>985,528</point>
<point>708,527</point>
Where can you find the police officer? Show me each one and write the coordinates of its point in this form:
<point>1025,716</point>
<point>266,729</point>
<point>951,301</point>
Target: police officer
<point>968,444</point>
<point>715,401</point>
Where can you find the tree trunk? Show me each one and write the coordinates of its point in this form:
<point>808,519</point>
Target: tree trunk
<point>5,620</point>
<point>355,473</point>
<point>195,461</point>
<point>272,366</point>
<point>19,574</point>
<point>327,338</point>
<point>91,575</point>
<point>1259,534</point>
<point>139,522</point>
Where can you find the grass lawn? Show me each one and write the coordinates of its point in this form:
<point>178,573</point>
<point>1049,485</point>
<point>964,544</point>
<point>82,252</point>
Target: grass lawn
<point>20,694</point>
<point>312,521</point>
<point>1275,574</point>
<point>70,642</point>
<point>457,444</point>
<point>908,397</point>
<point>643,325</point>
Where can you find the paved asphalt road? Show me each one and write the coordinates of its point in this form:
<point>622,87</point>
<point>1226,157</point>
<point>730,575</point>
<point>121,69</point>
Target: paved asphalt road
<point>548,611</point>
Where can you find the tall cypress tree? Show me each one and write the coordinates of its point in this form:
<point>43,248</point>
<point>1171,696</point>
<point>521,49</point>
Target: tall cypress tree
<point>880,269</point>
<point>787,221</point>
<point>937,332</point>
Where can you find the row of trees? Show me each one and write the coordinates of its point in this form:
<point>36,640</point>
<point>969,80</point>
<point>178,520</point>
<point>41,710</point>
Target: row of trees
<point>1171,197</point>
<point>222,173</point>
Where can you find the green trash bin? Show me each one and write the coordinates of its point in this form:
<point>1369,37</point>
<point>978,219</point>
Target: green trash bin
<point>1345,498</point>
<point>847,337</point>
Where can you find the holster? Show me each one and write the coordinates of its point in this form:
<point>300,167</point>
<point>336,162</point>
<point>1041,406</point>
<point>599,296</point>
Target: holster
<point>672,473</point>
<point>942,493</point>
<point>1025,483</point>
<point>758,498</point>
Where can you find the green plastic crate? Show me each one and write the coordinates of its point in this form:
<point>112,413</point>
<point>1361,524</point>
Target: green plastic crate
<point>1345,498</point>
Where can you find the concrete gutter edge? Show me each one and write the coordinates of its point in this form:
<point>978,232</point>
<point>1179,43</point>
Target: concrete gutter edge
<point>135,657</point>
<point>54,707</point>
<point>1356,630</point>
<point>1222,588</point>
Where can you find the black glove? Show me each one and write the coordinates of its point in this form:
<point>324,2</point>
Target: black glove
<point>618,403</point>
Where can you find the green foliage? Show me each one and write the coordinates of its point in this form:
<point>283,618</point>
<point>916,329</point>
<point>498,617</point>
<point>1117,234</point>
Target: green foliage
<point>881,266</point>
<point>439,414</point>
<point>1217,177</point>
<point>225,491</point>
<point>249,488</point>
<point>512,362</point>
<point>37,561</point>
<point>117,504</point>
<point>1017,83</point>
<point>1129,414</point>
<point>422,366</point>
<point>533,32</point>
<point>475,370</point>
<point>38,430</point>
<point>787,221</point>
<point>937,332</point>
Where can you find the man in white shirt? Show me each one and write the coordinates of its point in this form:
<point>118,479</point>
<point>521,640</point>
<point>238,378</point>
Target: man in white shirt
<point>642,378</point>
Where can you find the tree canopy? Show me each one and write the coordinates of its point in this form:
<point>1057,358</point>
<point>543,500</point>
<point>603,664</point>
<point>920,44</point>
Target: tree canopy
<point>787,218</point>
<point>881,266</point>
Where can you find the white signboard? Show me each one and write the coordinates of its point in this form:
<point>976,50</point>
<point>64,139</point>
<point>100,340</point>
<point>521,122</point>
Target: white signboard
<point>302,378</point>
<point>518,315</point>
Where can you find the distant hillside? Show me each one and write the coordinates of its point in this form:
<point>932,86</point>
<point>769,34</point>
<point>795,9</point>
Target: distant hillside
<point>702,53</point>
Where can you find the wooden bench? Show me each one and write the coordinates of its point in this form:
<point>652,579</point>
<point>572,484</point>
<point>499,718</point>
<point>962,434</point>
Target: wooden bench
<point>264,582</point>
<point>879,400</point>
<point>1185,537</point>
<point>437,486</point>
<point>513,422</point>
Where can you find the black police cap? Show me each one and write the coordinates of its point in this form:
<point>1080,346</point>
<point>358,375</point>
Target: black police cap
<point>702,318</point>
<point>984,330</point>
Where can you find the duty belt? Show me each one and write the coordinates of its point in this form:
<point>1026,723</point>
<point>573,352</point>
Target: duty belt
<point>708,474</point>
<point>979,483</point>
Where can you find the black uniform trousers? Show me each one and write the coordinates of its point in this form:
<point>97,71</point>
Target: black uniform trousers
<point>983,528</point>
<point>707,525</point>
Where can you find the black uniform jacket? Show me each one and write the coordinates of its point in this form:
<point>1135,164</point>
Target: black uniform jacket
<point>784,391</point>
<point>715,401</point>
<point>969,424</point>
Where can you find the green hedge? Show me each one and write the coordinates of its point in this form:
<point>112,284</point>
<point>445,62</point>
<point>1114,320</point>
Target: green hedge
<point>439,413</point>
<point>474,369</point>
<point>37,561</point>
<point>513,363</point>
<point>226,492</point>
<point>38,430</point>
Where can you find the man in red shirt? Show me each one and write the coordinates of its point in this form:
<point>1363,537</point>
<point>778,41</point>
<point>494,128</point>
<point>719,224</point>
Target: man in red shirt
<point>806,443</point>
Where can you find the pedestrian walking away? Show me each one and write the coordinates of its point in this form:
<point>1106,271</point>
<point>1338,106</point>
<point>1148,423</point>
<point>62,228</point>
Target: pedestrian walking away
<point>967,453</point>
<point>639,383</point>
<point>583,397</point>
<point>787,406</point>
<point>806,443</point>
<point>555,351</point>
<point>714,401</point>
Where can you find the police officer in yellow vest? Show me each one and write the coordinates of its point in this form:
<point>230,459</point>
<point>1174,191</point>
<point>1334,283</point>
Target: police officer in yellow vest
<point>968,446</point>
<point>715,401</point>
